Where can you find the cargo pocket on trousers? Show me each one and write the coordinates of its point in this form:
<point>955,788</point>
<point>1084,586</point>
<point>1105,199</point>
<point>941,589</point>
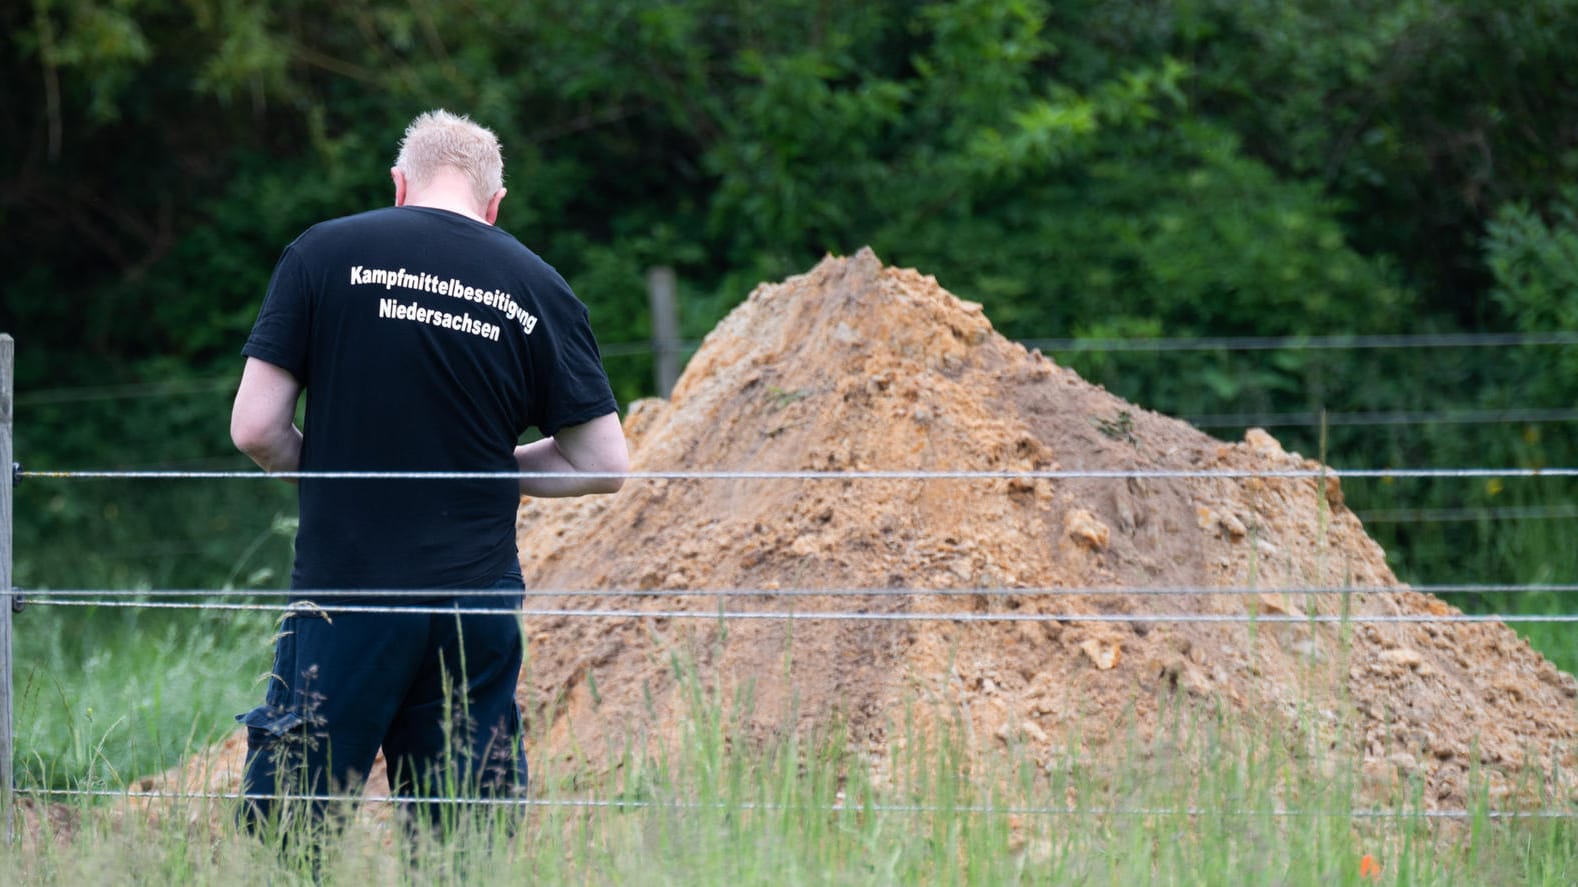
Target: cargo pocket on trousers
<point>268,725</point>
<point>270,721</point>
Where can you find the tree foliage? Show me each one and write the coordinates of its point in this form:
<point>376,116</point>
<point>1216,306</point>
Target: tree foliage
<point>1084,168</point>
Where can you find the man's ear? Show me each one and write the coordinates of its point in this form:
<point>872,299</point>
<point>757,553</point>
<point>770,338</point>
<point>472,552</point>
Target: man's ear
<point>399,185</point>
<point>491,213</point>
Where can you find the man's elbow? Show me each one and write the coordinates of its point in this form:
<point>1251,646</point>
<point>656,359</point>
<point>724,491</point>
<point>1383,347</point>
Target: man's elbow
<point>611,478</point>
<point>254,438</point>
<point>248,437</point>
<point>598,450</point>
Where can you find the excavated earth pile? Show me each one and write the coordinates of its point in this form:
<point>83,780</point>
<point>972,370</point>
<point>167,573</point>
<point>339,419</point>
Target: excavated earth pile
<point>855,366</point>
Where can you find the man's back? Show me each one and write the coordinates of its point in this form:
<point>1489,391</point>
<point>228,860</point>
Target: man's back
<point>425,341</point>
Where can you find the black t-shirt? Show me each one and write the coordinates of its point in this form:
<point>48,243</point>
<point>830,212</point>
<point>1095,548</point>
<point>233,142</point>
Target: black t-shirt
<point>425,341</point>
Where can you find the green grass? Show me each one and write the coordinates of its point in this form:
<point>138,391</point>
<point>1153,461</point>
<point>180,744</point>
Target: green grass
<point>105,695</point>
<point>1201,803</point>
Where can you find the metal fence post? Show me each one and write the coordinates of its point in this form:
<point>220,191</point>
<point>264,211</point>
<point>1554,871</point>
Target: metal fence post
<point>7,784</point>
<point>665,328</point>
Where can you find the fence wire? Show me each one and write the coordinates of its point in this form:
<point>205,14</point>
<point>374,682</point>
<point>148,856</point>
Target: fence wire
<point>1463,515</point>
<point>833,475</point>
<point>835,615</point>
<point>836,807</point>
<point>884,592</point>
<point>1308,343</point>
<point>1383,418</point>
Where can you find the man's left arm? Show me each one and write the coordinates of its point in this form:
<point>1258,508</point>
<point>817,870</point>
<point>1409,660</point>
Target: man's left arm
<point>262,422</point>
<point>596,448</point>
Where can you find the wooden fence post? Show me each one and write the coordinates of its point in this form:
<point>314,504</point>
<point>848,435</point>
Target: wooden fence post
<point>7,733</point>
<point>665,328</point>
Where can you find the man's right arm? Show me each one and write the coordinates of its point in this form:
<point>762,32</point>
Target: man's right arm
<point>263,420</point>
<point>596,448</point>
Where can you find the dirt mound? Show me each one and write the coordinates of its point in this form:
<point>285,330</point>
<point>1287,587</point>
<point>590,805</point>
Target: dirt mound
<point>857,366</point>
<point>860,367</point>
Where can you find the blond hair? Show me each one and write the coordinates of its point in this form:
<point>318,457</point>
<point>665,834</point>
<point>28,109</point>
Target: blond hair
<point>438,138</point>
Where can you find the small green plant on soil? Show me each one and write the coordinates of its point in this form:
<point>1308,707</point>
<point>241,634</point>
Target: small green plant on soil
<point>1120,427</point>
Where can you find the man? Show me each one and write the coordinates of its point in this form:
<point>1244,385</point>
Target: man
<point>426,340</point>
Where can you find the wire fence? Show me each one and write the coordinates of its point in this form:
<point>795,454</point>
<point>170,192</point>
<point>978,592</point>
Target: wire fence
<point>160,599</point>
<point>793,605</point>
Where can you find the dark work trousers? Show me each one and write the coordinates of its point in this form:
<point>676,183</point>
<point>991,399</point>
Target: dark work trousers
<point>435,691</point>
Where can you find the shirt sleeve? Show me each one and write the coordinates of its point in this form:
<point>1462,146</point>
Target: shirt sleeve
<point>576,388</point>
<point>280,335</point>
